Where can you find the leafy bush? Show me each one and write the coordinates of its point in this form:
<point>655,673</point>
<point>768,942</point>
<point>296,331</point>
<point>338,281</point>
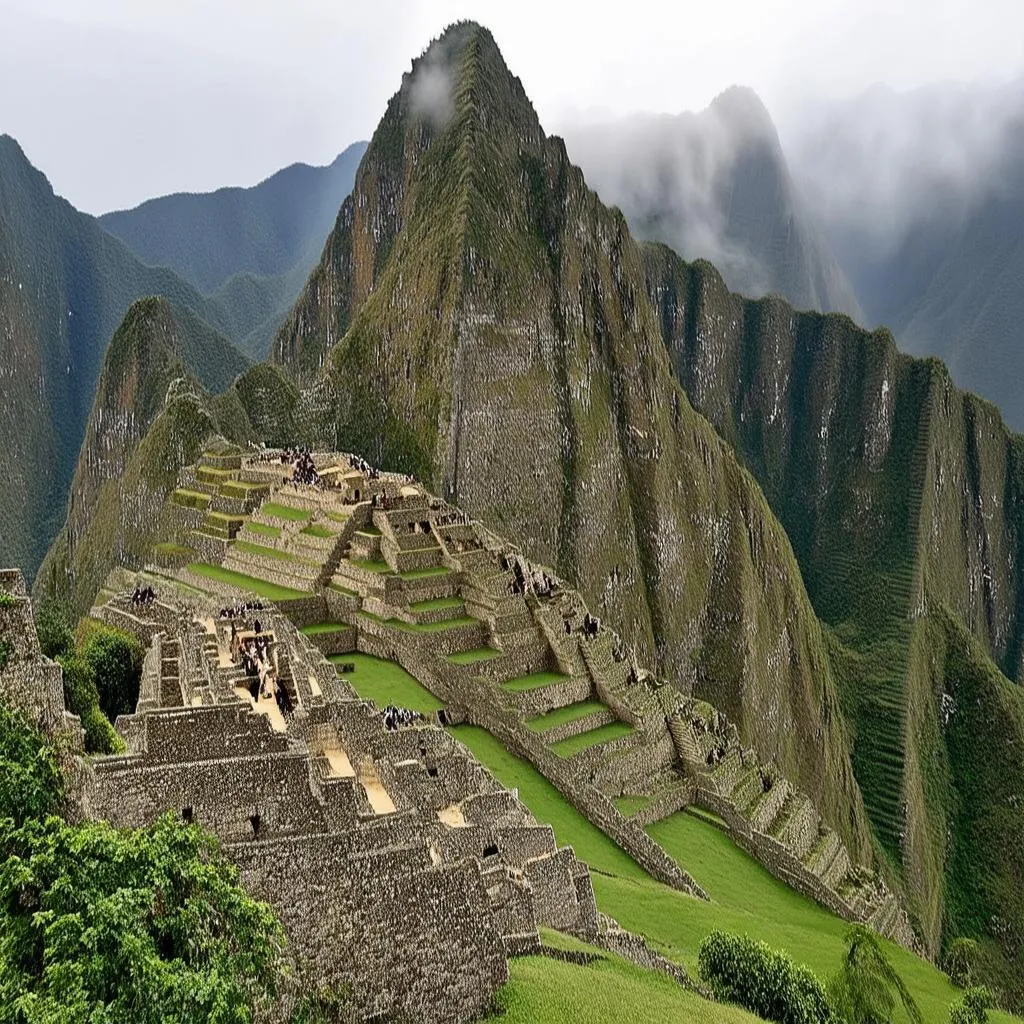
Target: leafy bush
<point>53,628</point>
<point>867,987</point>
<point>115,659</point>
<point>31,785</point>
<point>970,1008</point>
<point>763,980</point>
<point>959,960</point>
<point>130,927</point>
<point>81,698</point>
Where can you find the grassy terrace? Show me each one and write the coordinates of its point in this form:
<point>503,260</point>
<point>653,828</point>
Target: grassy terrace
<point>474,656</point>
<point>385,682</point>
<point>574,744</point>
<point>570,713</point>
<point>190,499</point>
<point>316,530</point>
<point>260,549</point>
<point>342,589</point>
<point>534,682</point>
<point>279,511</point>
<point>436,605</point>
<point>172,550</point>
<point>745,899</point>
<point>422,574</point>
<point>323,627</point>
<point>262,588</point>
<point>629,805</point>
<point>379,567</point>
<point>263,528</point>
<point>423,627</point>
<point>369,531</point>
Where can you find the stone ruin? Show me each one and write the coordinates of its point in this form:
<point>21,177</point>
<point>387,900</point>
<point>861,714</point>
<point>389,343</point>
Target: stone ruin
<point>398,865</point>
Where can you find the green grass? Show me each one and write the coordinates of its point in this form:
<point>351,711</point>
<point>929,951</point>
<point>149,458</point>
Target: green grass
<point>385,682</point>
<point>323,627</point>
<point>548,805</point>
<point>570,713</point>
<point>574,744</point>
<point>338,517</point>
<point>541,990</point>
<point>423,627</point>
<point>316,530</point>
<point>259,549</point>
<point>343,590</point>
<point>379,567</point>
<point>172,550</point>
<point>191,499</point>
<point>474,656</point>
<point>263,588</point>
<point>422,574</point>
<point>264,528</point>
<point>534,682</point>
<point>369,531</point>
<point>436,605</point>
<point>278,511</point>
<point>629,805</point>
<point>745,898</point>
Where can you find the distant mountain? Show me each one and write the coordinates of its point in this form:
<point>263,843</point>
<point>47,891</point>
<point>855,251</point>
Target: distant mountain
<point>935,245</point>
<point>65,285</point>
<point>253,244</point>
<point>150,379</point>
<point>716,186</point>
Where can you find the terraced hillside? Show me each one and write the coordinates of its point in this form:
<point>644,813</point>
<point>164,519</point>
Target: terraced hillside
<point>904,500</point>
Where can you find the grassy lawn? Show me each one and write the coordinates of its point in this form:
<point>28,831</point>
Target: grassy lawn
<point>264,528</point>
<point>172,550</point>
<point>263,588</point>
<point>422,574</point>
<point>628,805</point>
<point>549,806</point>
<point>436,605</point>
<point>278,511</point>
<point>323,627</point>
<point>369,531</point>
<point>534,682</point>
<point>567,714</point>
<point>338,517</point>
<point>574,744</point>
<point>745,898</point>
<point>343,590</point>
<point>474,656</point>
<point>316,530</point>
<point>385,682</point>
<point>541,990</point>
<point>190,499</point>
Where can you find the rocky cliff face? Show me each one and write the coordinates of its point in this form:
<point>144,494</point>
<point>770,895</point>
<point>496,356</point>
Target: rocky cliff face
<point>904,501</point>
<point>481,319</point>
<point>148,419</point>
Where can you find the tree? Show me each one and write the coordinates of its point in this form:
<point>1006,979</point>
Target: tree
<point>867,988</point>
<point>31,785</point>
<point>53,628</point>
<point>115,658</point>
<point>971,1007</point>
<point>959,961</point>
<point>81,698</point>
<point>143,926</point>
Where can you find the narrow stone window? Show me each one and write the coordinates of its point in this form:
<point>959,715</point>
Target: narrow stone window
<point>432,772</point>
<point>254,820</point>
<point>186,814</point>
<point>491,851</point>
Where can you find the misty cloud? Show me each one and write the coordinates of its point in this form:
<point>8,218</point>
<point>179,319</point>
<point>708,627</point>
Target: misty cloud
<point>430,89</point>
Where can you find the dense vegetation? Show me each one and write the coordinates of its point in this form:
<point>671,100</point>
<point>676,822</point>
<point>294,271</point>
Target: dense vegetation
<point>119,925</point>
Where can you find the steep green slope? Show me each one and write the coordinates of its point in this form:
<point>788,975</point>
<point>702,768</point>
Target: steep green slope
<point>150,417</point>
<point>65,284</point>
<point>716,186</point>
<point>902,496</point>
<point>264,231</point>
<point>481,320</point>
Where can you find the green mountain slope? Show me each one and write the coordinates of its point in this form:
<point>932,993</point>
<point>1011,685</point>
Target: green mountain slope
<point>250,249</point>
<point>716,186</point>
<point>904,500</point>
<point>65,284</point>
<point>149,417</point>
<point>481,320</point>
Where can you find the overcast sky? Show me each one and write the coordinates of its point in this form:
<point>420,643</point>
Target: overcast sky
<point>120,100</point>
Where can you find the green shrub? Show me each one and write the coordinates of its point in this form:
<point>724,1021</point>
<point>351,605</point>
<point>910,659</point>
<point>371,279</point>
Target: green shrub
<point>958,963</point>
<point>7,600</point>
<point>867,988</point>
<point>130,927</point>
<point>115,659</point>
<point>742,970</point>
<point>82,699</point>
<point>970,1008</point>
<point>53,627</point>
<point>31,785</point>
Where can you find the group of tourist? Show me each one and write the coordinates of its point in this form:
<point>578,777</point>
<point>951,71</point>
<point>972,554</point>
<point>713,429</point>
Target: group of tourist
<point>303,468</point>
<point>239,608</point>
<point>143,596</point>
<point>358,462</point>
<point>395,717</point>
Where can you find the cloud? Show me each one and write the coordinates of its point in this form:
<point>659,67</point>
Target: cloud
<point>430,88</point>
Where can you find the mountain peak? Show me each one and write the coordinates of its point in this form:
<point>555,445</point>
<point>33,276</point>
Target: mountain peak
<point>743,110</point>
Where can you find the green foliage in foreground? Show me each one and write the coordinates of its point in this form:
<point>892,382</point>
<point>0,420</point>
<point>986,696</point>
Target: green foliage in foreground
<point>867,987</point>
<point>763,980</point>
<point>972,1007</point>
<point>119,926</point>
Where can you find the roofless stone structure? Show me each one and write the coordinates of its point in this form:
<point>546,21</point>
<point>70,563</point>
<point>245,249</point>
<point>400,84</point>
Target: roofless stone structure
<point>398,865</point>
